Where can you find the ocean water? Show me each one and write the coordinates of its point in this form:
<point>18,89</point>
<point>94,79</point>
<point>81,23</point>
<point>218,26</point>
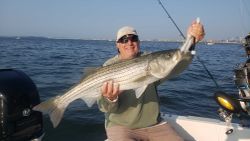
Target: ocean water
<point>55,65</point>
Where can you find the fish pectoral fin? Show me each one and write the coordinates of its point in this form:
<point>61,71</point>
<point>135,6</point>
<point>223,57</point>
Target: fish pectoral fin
<point>139,91</point>
<point>158,75</point>
<point>90,101</point>
<point>141,79</point>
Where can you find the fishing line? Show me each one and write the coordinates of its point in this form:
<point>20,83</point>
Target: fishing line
<point>172,19</point>
<point>198,58</point>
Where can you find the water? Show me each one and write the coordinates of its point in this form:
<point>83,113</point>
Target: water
<point>55,65</point>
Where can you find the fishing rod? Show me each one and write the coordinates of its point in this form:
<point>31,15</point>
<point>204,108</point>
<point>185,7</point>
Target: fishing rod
<point>172,19</point>
<point>198,58</point>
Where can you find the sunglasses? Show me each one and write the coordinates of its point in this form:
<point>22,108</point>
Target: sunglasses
<point>132,38</point>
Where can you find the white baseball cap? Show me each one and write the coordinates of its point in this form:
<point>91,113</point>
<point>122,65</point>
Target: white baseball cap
<point>125,31</point>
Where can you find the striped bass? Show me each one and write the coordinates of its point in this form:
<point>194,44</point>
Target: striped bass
<point>135,74</point>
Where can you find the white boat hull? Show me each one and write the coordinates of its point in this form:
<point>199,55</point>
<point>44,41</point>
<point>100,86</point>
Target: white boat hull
<point>205,129</point>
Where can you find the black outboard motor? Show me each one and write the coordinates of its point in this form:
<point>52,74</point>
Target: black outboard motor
<point>18,95</point>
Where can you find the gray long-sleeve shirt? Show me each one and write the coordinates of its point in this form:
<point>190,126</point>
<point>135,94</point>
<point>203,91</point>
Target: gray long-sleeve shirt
<point>128,110</point>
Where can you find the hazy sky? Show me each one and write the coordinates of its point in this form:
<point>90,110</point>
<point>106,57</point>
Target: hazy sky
<point>100,19</point>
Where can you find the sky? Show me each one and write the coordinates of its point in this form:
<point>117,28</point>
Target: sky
<point>100,19</point>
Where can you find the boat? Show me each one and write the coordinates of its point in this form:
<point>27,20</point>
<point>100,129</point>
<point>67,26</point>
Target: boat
<point>210,43</point>
<point>193,128</point>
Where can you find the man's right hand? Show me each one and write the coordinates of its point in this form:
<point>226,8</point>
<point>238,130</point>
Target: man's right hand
<point>110,90</point>
<point>196,29</point>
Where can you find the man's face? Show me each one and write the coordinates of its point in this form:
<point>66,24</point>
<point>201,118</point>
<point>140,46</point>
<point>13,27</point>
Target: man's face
<point>129,46</point>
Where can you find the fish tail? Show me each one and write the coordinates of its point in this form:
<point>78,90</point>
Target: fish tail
<point>53,109</point>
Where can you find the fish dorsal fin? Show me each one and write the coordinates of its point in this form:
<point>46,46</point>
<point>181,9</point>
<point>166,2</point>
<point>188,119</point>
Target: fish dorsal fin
<point>139,91</point>
<point>90,101</point>
<point>90,70</point>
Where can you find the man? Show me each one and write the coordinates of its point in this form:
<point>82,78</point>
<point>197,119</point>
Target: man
<point>126,117</point>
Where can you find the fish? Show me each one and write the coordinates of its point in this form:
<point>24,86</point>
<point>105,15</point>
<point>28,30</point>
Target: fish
<point>134,74</point>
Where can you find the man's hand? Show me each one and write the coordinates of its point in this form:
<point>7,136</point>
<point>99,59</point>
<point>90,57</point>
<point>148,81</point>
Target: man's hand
<point>110,90</point>
<point>196,30</point>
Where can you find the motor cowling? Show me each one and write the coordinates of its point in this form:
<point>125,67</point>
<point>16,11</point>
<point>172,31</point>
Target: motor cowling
<point>18,95</point>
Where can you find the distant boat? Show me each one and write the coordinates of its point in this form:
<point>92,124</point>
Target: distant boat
<point>18,38</point>
<point>210,43</point>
